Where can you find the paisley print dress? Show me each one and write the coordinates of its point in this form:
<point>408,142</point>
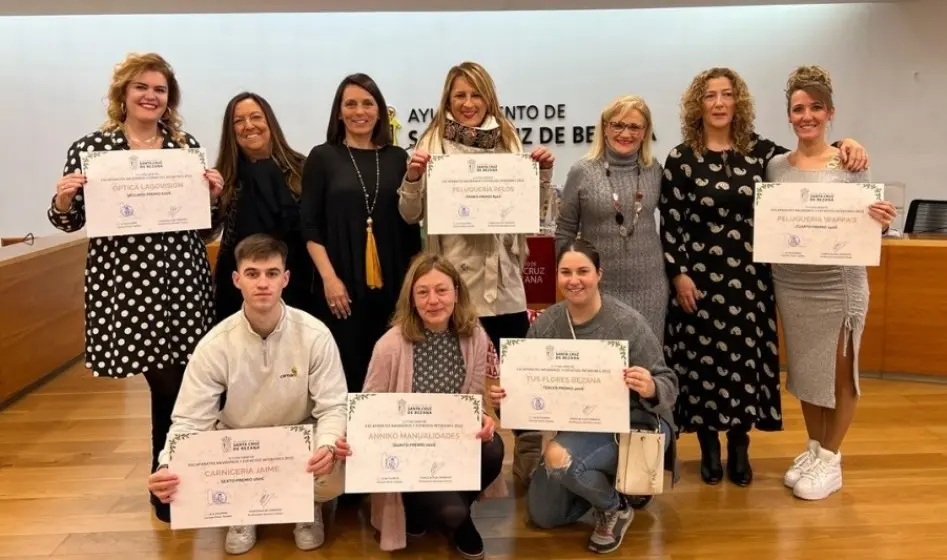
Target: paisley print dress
<point>725,354</point>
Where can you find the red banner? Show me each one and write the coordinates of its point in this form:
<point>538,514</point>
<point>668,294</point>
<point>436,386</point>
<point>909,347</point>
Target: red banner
<point>539,275</point>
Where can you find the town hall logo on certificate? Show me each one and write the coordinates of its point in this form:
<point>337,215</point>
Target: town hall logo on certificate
<point>226,444</point>
<point>133,162</point>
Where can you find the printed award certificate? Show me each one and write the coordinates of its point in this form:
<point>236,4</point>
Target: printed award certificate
<point>482,193</point>
<point>817,223</point>
<point>413,442</point>
<point>131,192</point>
<point>254,476</point>
<point>565,384</point>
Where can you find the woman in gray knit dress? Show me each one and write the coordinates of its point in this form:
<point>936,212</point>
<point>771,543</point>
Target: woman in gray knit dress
<point>822,307</point>
<point>609,199</point>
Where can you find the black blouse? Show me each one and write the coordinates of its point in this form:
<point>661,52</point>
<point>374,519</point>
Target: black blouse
<point>334,213</point>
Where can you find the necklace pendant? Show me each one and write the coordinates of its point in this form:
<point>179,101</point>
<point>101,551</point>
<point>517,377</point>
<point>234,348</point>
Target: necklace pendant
<point>368,221</point>
<point>623,231</point>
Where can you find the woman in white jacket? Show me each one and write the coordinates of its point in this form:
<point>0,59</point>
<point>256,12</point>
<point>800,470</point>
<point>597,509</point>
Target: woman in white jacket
<point>469,120</point>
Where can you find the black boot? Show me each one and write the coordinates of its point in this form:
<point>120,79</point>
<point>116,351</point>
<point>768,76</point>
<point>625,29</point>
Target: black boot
<point>738,458</point>
<point>162,511</point>
<point>711,471</point>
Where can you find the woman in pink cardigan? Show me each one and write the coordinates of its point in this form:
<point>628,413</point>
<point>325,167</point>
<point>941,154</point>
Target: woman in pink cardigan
<point>435,345</point>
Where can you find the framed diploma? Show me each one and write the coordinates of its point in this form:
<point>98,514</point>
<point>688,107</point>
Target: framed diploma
<point>817,223</point>
<point>565,385</point>
<point>253,476</point>
<point>131,192</point>
<point>482,193</point>
<point>413,442</point>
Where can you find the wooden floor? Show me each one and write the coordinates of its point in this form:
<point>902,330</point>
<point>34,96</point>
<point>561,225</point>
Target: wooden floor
<point>74,456</point>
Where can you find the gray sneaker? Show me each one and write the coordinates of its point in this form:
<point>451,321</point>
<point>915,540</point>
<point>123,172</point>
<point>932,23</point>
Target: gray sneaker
<point>610,528</point>
<point>240,539</point>
<point>310,536</point>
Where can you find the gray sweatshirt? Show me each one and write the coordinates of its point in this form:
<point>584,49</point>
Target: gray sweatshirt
<point>617,321</point>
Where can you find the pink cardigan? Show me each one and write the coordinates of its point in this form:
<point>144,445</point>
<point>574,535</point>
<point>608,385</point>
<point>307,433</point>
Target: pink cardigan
<point>390,371</point>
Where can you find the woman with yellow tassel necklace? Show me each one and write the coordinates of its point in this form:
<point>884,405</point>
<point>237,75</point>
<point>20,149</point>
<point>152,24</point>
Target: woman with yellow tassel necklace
<point>361,246</point>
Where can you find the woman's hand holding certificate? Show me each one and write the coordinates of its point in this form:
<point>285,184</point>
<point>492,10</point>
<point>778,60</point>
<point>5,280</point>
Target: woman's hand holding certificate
<point>820,223</point>
<point>413,442</point>
<point>143,191</point>
<point>568,385</point>
<point>639,380</point>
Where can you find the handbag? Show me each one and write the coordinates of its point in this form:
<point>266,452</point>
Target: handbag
<point>640,462</point>
<point>640,457</point>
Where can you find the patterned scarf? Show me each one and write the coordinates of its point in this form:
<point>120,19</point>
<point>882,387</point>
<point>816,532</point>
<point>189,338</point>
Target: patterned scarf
<point>485,136</point>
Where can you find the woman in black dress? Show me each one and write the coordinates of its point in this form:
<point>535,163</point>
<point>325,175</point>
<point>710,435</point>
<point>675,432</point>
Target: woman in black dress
<point>721,334</point>
<point>148,298</point>
<point>262,184</point>
<point>355,236</point>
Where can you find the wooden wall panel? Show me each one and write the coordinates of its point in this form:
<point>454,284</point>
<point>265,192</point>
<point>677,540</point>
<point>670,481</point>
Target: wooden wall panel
<point>916,325</point>
<point>42,315</point>
<point>42,321</point>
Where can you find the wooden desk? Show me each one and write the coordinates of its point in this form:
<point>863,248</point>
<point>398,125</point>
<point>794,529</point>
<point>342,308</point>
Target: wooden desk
<point>42,319</point>
<point>907,310</point>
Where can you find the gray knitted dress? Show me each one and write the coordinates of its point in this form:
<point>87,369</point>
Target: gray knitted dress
<point>633,266</point>
<point>817,302</point>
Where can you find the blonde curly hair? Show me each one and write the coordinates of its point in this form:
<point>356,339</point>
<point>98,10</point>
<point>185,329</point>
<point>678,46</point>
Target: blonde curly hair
<point>124,72</point>
<point>813,80</point>
<point>692,111</point>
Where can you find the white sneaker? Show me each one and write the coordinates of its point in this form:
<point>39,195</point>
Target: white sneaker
<point>801,463</point>
<point>310,536</point>
<point>240,539</point>
<point>823,477</point>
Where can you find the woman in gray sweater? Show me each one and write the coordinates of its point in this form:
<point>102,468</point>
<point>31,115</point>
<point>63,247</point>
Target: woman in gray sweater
<point>822,307</point>
<point>609,199</point>
<point>577,471</point>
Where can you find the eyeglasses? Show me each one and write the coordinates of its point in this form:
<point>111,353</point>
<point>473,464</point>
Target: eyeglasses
<point>619,127</point>
<point>243,122</point>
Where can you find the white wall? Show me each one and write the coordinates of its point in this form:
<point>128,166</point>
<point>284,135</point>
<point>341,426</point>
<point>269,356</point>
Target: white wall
<point>887,63</point>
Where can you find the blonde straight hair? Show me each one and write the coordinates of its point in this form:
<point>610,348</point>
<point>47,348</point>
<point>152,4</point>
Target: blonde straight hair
<point>616,110</point>
<point>481,81</point>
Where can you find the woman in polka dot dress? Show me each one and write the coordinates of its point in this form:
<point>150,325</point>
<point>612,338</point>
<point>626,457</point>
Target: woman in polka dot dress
<point>148,298</point>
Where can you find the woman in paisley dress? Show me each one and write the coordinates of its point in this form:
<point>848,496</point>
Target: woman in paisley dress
<point>721,335</point>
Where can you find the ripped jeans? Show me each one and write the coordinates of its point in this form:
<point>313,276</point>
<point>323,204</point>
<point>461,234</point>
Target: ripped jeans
<point>583,480</point>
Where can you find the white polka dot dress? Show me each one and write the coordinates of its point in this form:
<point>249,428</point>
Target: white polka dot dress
<point>148,298</point>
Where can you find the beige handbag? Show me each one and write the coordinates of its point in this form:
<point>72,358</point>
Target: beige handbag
<point>640,457</point>
<point>640,462</point>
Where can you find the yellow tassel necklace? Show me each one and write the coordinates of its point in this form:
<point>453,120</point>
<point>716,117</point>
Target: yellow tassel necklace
<point>372,264</point>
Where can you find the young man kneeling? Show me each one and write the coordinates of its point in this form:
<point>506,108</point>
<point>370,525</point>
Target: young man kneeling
<point>278,366</point>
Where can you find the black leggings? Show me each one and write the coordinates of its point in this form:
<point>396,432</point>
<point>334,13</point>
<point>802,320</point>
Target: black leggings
<point>448,510</point>
<point>164,384</point>
<point>512,325</point>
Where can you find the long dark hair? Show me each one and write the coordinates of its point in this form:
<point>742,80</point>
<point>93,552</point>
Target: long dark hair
<point>581,246</point>
<point>381,135</point>
<point>288,159</point>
